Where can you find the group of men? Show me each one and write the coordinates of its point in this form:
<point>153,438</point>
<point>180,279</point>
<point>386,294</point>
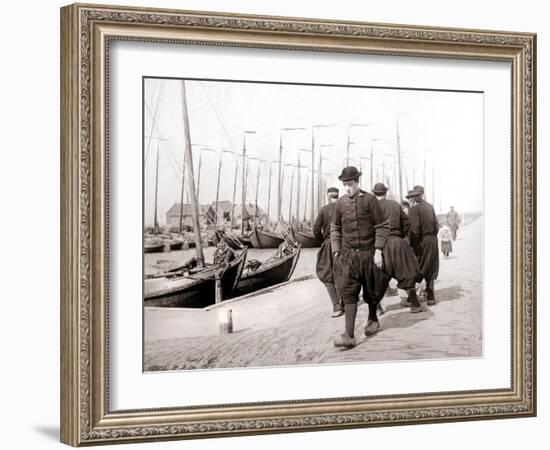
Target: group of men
<point>369,239</point>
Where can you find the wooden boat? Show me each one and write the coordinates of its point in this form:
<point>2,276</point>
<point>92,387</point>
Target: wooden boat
<point>265,239</point>
<point>305,239</point>
<point>273,271</point>
<point>176,244</point>
<point>196,289</point>
<point>153,246</point>
<point>245,240</point>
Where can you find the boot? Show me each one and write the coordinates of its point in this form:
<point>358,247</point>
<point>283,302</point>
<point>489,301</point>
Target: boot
<point>337,309</point>
<point>430,295</point>
<point>416,305</point>
<point>343,340</point>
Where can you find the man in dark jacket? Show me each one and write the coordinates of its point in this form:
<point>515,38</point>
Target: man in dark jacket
<point>423,239</point>
<point>399,259</point>
<point>321,231</point>
<point>358,236</point>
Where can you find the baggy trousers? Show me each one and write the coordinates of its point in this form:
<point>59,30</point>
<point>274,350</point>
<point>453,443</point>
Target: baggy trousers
<point>355,270</point>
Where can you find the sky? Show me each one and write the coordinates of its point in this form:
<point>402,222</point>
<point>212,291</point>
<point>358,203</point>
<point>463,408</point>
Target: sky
<point>440,141</point>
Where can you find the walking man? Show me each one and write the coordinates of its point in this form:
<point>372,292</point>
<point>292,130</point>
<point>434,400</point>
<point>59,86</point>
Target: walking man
<point>358,236</point>
<point>452,221</point>
<point>399,259</point>
<point>424,227</point>
<point>321,231</point>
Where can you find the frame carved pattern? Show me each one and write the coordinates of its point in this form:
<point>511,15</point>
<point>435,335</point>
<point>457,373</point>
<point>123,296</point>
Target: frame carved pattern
<point>88,15</point>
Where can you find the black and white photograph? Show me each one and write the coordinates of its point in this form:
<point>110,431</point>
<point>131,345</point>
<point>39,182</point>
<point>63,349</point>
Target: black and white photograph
<point>301,224</point>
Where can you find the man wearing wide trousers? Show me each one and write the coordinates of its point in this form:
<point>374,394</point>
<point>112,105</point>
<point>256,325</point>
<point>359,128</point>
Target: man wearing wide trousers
<point>358,235</point>
<point>324,266</point>
<point>423,239</point>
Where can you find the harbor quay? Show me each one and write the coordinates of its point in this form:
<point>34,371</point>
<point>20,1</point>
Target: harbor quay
<point>290,324</point>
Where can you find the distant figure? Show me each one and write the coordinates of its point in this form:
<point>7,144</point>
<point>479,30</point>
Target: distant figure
<point>399,259</point>
<point>423,239</point>
<point>358,234</point>
<point>446,244</point>
<point>321,231</point>
<point>405,206</point>
<point>453,220</point>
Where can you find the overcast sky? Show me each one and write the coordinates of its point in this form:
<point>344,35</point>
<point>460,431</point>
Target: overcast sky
<point>444,129</point>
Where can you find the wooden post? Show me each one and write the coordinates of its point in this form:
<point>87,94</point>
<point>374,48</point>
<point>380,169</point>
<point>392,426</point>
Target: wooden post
<point>225,320</point>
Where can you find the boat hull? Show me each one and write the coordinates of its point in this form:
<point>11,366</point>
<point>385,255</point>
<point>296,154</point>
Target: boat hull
<point>306,240</point>
<point>265,239</point>
<point>271,273</point>
<point>153,248</point>
<point>196,291</point>
<point>177,245</point>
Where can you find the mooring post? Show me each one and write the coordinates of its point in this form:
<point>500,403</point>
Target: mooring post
<point>225,317</point>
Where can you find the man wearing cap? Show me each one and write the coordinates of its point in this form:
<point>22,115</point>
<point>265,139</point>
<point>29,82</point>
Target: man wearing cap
<point>358,236</point>
<point>399,259</point>
<point>423,239</point>
<point>321,231</point>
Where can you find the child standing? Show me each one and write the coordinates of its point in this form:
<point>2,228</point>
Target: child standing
<point>446,245</point>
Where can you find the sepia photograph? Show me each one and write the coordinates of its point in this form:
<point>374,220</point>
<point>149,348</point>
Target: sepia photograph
<point>304,224</point>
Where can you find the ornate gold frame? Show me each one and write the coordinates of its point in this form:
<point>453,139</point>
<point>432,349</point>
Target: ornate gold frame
<point>86,31</point>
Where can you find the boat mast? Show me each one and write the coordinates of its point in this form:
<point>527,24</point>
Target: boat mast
<point>312,215</point>
<point>156,226</point>
<point>218,188</point>
<point>298,191</point>
<point>399,161</point>
<point>257,190</point>
<point>181,197</point>
<point>291,191</point>
<point>189,158</point>
<point>234,194</point>
<point>244,180</point>
<point>269,193</point>
<point>306,196</point>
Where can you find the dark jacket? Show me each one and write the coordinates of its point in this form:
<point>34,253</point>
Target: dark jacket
<point>398,221</point>
<point>321,227</point>
<point>423,222</point>
<point>358,223</point>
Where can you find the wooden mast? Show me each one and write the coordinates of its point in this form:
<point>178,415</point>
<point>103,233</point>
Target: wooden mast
<point>269,194</point>
<point>291,192</point>
<point>218,187</point>
<point>399,161</point>
<point>298,191</point>
<point>234,194</point>
<point>306,197</point>
<point>243,191</point>
<point>189,159</point>
<point>181,197</point>
<point>156,223</point>
<point>279,196</point>
<point>312,214</point>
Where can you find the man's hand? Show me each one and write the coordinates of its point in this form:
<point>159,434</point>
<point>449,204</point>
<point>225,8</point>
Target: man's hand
<point>378,261</point>
<point>335,254</point>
